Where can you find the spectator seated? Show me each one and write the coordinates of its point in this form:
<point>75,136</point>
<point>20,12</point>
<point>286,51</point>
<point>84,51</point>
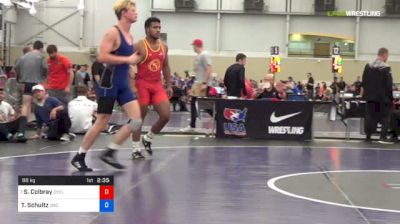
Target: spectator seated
<point>9,124</point>
<point>51,113</point>
<point>81,112</point>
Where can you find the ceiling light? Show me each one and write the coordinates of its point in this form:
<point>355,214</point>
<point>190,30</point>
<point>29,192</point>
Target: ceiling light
<point>6,3</point>
<point>81,5</point>
<point>32,11</point>
<point>23,5</point>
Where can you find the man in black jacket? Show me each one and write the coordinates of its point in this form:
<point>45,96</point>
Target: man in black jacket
<point>234,79</point>
<point>310,86</point>
<point>377,85</point>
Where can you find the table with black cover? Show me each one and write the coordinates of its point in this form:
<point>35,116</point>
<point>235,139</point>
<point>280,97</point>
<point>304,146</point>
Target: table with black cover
<point>263,119</point>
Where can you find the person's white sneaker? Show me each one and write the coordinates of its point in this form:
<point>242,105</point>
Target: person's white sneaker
<point>65,137</point>
<point>385,141</point>
<point>188,129</point>
<point>72,136</point>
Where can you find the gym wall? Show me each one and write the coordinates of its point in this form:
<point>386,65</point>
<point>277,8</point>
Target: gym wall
<point>225,34</point>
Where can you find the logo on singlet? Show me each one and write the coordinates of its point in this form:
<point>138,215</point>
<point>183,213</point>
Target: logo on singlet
<point>155,65</point>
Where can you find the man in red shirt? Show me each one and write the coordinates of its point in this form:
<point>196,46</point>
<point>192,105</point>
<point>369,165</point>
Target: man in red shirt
<point>60,75</point>
<point>149,86</point>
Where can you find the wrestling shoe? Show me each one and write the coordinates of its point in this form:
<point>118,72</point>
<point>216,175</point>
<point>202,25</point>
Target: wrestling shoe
<point>108,157</point>
<point>136,155</point>
<point>146,141</point>
<point>78,161</point>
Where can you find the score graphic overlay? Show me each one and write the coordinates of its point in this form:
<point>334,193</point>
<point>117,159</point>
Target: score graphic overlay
<point>65,194</point>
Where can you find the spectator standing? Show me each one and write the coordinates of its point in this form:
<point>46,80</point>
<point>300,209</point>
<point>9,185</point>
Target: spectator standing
<point>357,85</point>
<point>234,79</point>
<point>310,86</point>
<point>334,86</point>
<point>202,69</point>
<point>377,84</point>
<point>84,75</point>
<point>342,85</point>
<point>61,75</point>
<point>31,70</point>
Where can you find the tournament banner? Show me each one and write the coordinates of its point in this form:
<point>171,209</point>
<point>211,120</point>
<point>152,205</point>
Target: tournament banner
<point>289,120</point>
<point>285,120</point>
<point>231,118</point>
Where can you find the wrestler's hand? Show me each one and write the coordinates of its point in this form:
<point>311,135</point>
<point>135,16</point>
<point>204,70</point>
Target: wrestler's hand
<point>134,59</point>
<point>170,92</point>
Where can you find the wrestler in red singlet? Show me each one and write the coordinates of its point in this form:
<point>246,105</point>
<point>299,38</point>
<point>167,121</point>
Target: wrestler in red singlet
<point>149,84</point>
<point>148,81</point>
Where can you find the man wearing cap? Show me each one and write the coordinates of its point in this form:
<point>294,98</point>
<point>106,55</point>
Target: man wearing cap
<point>50,111</point>
<point>202,70</point>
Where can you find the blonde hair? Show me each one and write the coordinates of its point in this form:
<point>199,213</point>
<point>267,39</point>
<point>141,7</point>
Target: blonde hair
<point>121,5</point>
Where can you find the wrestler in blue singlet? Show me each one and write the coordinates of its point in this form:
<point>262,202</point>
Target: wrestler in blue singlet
<point>120,89</point>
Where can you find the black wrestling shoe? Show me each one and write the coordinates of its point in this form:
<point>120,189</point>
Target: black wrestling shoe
<point>108,157</point>
<point>136,155</point>
<point>78,161</point>
<point>147,146</point>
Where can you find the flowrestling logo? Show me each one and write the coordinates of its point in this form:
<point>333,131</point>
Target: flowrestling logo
<point>237,119</point>
<point>355,13</point>
<point>284,130</point>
